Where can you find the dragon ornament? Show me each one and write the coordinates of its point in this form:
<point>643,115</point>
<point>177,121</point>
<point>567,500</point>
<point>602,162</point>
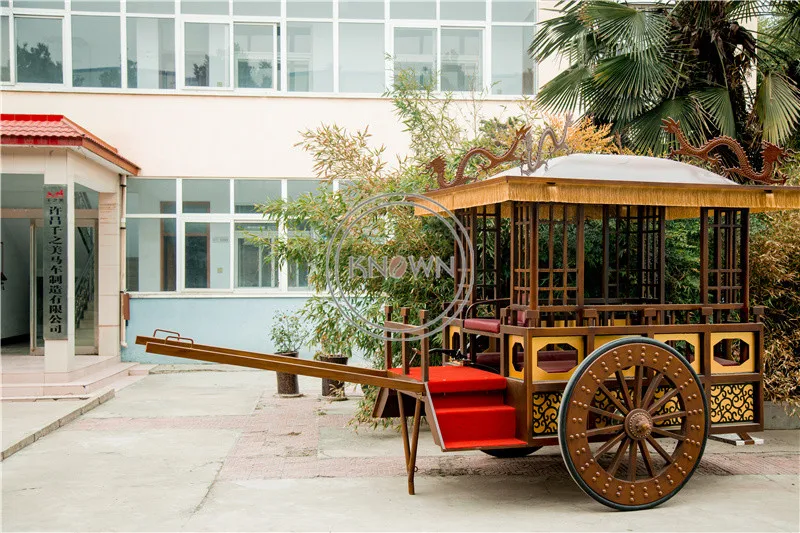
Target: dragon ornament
<point>771,155</point>
<point>528,163</point>
<point>437,166</point>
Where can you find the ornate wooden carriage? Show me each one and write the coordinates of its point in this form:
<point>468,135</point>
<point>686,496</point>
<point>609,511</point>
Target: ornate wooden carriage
<point>570,304</point>
<point>569,335</point>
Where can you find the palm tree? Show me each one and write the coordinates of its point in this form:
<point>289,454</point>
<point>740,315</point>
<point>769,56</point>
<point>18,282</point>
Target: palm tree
<point>693,61</point>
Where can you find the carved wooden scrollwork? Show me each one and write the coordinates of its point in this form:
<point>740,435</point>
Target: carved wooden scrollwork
<point>772,155</point>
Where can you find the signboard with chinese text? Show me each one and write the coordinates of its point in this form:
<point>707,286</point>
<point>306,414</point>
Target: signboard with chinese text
<point>56,272</point>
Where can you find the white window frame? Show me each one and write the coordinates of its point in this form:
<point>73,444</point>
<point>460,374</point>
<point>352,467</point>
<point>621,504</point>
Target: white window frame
<point>230,218</point>
<point>66,47</point>
<point>280,52</point>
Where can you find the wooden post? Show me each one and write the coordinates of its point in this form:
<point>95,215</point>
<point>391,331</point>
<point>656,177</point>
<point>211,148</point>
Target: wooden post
<point>404,341</point>
<point>388,342</point>
<point>745,264</point>
<point>533,248</point>
<point>704,256</point>
<point>424,346</point>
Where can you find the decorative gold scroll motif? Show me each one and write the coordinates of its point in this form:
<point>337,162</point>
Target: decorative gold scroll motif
<point>545,412</point>
<point>732,402</point>
<point>771,155</point>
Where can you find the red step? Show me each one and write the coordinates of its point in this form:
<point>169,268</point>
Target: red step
<point>484,443</point>
<point>470,407</point>
<point>476,423</point>
<point>457,379</point>
<point>468,399</point>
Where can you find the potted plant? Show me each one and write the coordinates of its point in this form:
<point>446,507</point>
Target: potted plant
<point>334,347</point>
<point>287,334</point>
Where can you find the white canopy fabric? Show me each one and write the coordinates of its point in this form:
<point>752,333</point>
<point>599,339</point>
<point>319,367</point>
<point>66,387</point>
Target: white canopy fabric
<point>631,168</point>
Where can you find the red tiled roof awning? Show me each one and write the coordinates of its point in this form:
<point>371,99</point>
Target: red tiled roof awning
<point>57,130</point>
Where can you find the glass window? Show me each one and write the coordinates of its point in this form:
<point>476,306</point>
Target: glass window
<point>150,6</point>
<point>415,50</point>
<point>310,56</point>
<point>39,4</point>
<point>512,67</point>
<point>462,10</point>
<point>298,271</point>
<point>150,196</point>
<point>207,55</point>
<point>361,9</point>
<point>254,55</point>
<point>513,10</point>
<point>110,6</point>
<point>5,47</point>
<point>151,53</point>
<point>205,7</point>
<point>254,265</point>
<point>267,8</point>
<point>412,9</point>
<point>207,252</point>
<point>361,58</point>
<point>462,57</point>
<point>150,249</point>
<point>206,196</point>
<point>297,188</point>
<point>248,193</point>
<point>39,50</point>
<point>309,8</point>
<point>95,52</point>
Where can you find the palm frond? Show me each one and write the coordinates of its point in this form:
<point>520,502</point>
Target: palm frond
<point>645,132</point>
<point>632,30</point>
<point>717,107</point>
<point>777,107</point>
<point>564,93</point>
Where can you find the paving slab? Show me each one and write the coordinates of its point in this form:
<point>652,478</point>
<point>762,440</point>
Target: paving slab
<point>190,394</point>
<point>23,422</point>
<point>555,503</point>
<point>150,480</point>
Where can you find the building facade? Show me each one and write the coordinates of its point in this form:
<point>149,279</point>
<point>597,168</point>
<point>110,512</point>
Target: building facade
<point>206,100</point>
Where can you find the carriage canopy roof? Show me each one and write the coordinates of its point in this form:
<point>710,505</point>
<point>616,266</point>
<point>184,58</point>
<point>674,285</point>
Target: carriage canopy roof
<point>602,179</point>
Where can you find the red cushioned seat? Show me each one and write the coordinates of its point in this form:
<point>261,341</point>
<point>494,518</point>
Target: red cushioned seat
<point>726,362</point>
<point>489,325</point>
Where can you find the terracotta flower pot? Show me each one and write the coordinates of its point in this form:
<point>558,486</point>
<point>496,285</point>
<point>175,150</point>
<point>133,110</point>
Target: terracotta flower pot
<point>330,387</point>
<point>288,387</point>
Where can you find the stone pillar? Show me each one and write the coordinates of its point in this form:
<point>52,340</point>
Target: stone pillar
<point>59,355</point>
<point>108,289</point>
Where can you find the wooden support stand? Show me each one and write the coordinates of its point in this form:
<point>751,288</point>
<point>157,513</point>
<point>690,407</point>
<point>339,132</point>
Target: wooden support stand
<point>410,447</point>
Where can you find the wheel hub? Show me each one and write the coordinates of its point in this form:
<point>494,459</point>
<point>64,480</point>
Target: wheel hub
<point>638,424</point>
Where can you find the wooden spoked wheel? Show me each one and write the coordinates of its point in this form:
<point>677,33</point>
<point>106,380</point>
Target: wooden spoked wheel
<point>644,404</point>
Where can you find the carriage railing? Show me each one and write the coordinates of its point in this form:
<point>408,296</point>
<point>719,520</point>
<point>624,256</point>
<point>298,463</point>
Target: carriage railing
<point>632,315</point>
<point>403,331</point>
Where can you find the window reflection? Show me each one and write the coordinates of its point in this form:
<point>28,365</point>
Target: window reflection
<point>95,52</point>
<point>207,52</point>
<point>310,56</point>
<point>39,50</point>
<point>462,57</point>
<point>151,53</point>
<point>415,51</point>
<point>254,55</point>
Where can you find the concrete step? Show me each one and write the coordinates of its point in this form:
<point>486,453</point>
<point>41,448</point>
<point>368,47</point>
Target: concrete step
<point>33,372</point>
<point>88,383</point>
<point>141,369</point>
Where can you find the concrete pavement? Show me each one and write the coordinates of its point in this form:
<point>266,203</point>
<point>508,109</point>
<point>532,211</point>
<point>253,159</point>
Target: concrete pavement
<point>215,451</point>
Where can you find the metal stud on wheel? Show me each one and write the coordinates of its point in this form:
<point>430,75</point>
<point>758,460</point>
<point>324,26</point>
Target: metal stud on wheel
<point>642,404</point>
